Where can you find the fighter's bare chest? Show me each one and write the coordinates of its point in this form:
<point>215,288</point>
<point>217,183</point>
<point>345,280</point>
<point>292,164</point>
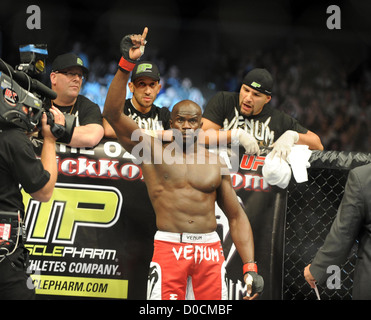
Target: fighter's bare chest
<point>203,177</point>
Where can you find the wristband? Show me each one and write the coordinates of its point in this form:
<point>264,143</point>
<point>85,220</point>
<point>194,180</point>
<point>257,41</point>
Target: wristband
<point>250,266</point>
<point>126,65</point>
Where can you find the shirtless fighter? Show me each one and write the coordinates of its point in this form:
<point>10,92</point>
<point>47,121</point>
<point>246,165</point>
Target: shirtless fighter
<point>188,260</point>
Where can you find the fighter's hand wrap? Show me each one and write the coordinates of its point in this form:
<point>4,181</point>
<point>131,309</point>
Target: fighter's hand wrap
<point>282,147</point>
<point>253,279</point>
<point>240,136</point>
<point>126,63</point>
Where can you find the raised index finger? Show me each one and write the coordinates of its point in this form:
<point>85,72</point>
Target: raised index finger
<point>144,34</point>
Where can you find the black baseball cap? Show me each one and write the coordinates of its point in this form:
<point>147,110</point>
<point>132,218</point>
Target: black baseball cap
<point>68,60</point>
<point>145,69</point>
<point>260,80</point>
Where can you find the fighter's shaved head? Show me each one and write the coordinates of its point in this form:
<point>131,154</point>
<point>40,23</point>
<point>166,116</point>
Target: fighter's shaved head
<point>186,107</point>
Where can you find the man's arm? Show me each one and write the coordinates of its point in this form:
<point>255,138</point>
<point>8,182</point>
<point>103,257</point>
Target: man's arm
<point>88,135</point>
<point>108,131</point>
<point>218,134</point>
<point>116,95</point>
<point>113,110</point>
<point>282,146</point>
<point>214,136</point>
<point>239,224</point>
<point>311,140</point>
<point>48,157</point>
<point>241,233</point>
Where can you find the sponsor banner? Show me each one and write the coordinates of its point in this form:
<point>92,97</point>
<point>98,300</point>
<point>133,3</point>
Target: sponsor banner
<point>99,226</point>
<point>80,287</point>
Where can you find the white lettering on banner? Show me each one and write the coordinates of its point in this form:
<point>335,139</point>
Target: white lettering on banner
<point>196,252</point>
<point>92,268</point>
<point>73,267</point>
<point>112,149</point>
<point>142,154</point>
<point>101,168</point>
<point>104,168</point>
<point>47,266</point>
<point>249,182</point>
<point>87,167</point>
<point>92,253</point>
<point>131,171</point>
<point>64,149</point>
<point>107,168</point>
<point>68,166</point>
<point>236,289</point>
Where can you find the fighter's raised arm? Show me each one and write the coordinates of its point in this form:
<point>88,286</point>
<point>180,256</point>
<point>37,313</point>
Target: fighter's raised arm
<point>132,48</point>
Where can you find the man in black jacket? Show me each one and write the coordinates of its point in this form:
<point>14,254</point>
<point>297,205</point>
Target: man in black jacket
<point>353,221</point>
<point>19,166</point>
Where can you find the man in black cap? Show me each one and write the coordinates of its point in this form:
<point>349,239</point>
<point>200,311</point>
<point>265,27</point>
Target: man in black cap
<point>145,86</point>
<point>66,79</point>
<point>249,121</point>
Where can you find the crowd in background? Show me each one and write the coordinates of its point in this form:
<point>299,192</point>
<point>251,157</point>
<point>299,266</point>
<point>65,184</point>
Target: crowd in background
<point>324,94</point>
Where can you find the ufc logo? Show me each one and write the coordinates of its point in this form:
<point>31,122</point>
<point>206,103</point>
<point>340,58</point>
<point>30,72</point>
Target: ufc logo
<point>251,162</point>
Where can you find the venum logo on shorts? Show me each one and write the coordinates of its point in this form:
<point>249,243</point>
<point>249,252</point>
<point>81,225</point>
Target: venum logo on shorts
<point>153,278</point>
<point>191,237</point>
<point>198,253</point>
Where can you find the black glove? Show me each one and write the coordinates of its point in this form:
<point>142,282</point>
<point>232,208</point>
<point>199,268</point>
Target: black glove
<point>257,282</point>
<point>69,127</point>
<point>125,45</point>
<point>128,42</point>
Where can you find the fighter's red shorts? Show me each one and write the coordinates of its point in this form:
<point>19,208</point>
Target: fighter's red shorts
<point>187,266</point>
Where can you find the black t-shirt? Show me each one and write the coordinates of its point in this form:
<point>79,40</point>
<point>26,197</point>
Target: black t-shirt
<point>266,127</point>
<point>85,111</point>
<point>156,119</point>
<point>18,166</point>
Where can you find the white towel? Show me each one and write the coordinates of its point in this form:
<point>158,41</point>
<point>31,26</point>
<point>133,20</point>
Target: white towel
<point>276,171</point>
<point>298,160</point>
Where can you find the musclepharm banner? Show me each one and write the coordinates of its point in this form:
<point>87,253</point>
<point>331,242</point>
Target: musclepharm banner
<point>94,238</point>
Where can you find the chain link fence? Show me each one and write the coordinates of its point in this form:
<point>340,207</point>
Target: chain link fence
<point>311,209</point>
